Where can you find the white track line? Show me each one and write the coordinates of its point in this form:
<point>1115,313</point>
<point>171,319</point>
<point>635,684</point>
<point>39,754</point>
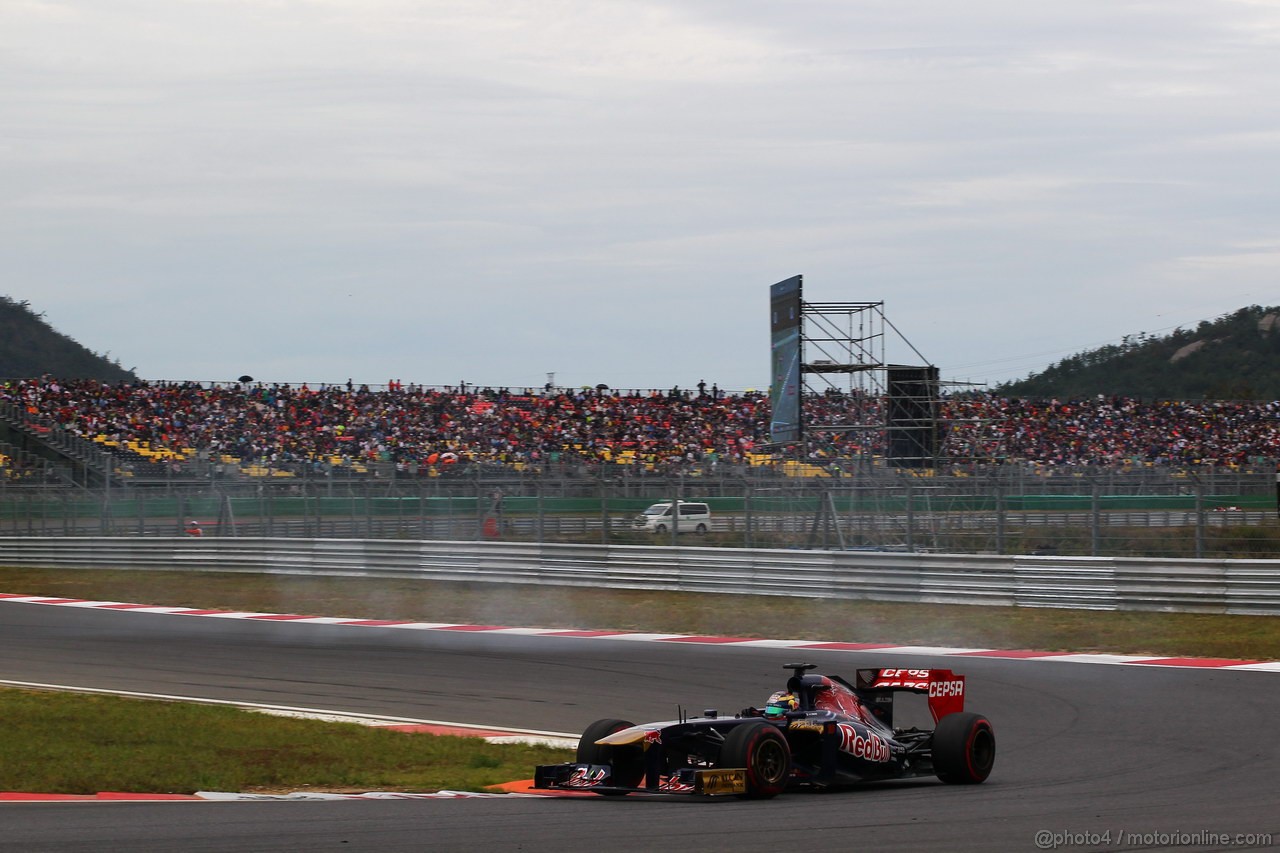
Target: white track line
<point>649,637</point>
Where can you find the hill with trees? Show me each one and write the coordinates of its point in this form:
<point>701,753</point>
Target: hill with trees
<point>1235,357</point>
<point>30,347</point>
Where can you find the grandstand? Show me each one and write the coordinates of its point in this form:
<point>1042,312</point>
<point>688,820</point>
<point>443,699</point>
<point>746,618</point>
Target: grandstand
<point>80,457</point>
<point>91,432</point>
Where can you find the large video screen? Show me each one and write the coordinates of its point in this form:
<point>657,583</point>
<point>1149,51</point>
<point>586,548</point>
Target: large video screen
<point>913,416</point>
<point>785,340</point>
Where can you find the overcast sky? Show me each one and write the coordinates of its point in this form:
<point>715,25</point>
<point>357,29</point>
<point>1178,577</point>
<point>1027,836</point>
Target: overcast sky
<point>312,190</point>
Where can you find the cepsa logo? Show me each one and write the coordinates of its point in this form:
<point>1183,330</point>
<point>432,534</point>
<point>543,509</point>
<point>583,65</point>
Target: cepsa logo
<point>946,688</point>
<point>902,678</point>
<point>868,747</point>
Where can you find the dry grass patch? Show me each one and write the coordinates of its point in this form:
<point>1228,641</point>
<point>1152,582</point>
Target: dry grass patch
<point>1128,632</point>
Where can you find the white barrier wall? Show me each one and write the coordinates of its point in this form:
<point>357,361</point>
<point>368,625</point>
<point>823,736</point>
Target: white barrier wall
<point>1096,583</point>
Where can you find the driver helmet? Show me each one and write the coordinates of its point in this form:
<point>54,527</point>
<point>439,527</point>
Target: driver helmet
<point>780,703</point>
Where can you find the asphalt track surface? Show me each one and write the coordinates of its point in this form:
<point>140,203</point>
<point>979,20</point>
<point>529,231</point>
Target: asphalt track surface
<point>1083,750</point>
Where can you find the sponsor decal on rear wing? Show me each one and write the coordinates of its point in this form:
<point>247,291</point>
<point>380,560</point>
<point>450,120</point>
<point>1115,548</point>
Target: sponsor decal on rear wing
<point>944,688</point>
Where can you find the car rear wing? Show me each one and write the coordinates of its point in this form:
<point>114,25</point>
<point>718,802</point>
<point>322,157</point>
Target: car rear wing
<point>944,688</point>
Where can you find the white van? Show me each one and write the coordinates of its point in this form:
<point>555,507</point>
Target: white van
<point>694,518</point>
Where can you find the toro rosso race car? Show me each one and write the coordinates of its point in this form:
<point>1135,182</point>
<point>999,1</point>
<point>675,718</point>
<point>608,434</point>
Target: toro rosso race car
<point>820,732</point>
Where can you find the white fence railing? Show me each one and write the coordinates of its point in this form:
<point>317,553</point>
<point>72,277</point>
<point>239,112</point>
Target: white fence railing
<point>1095,583</point>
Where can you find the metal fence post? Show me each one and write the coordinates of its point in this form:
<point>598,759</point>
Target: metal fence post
<point>1200,520</point>
<point>604,511</point>
<point>675,509</point>
<point>911,518</point>
<point>1095,519</point>
<point>1000,520</point>
<point>541,520</point>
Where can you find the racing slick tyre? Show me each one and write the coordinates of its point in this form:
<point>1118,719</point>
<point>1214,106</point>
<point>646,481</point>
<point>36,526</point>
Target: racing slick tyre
<point>964,749</point>
<point>627,761</point>
<point>763,751</point>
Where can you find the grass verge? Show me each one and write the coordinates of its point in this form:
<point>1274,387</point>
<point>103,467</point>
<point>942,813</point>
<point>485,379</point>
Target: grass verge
<point>1127,632</point>
<point>60,743</point>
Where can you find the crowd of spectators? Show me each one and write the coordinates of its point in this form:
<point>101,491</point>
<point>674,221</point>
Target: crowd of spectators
<point>422,428</point>
<point>1113,431</point>
<point>282,425</point>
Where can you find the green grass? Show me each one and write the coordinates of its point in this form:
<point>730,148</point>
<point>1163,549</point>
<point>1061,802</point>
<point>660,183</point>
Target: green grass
<point>73,744</point>
<point>1125,632</point>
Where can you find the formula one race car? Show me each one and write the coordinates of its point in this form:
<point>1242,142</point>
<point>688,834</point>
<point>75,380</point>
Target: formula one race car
<point>820,732</point>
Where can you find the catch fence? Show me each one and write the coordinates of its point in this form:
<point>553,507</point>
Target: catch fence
<point>1147,513</point>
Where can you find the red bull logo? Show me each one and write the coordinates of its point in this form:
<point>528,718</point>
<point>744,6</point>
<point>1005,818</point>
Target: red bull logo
<point>865,745</point>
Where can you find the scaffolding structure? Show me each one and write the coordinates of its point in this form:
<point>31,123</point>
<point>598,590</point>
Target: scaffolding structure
<point>842,346</point>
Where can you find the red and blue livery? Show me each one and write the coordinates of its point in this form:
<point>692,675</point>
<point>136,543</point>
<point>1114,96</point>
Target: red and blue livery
<point>820,732</point>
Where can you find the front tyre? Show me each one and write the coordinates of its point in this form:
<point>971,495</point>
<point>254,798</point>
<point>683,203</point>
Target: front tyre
<point>964,749</point>
<point>627,761</point>
<point>763,751</point>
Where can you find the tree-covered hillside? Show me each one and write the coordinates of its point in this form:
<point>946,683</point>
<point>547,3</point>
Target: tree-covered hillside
<point>1236,357</point>
<point>30,347</point>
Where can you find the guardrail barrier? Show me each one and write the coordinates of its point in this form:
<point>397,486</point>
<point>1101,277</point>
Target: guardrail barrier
<point>1095,583</point>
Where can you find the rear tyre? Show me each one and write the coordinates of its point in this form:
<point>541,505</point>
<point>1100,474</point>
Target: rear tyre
<point>627,761</point>
<point>964,749</point>
<point>763,751</point>
<point>701,530</point>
